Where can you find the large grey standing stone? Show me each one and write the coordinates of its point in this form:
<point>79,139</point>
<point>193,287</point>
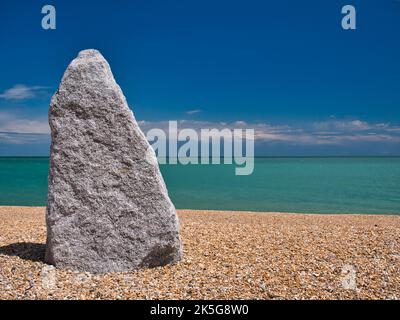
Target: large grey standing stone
<point>108,207</point>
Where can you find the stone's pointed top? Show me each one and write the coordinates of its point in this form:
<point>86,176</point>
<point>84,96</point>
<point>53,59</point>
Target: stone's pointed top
<point>89,53</point>
<point>87,72</point>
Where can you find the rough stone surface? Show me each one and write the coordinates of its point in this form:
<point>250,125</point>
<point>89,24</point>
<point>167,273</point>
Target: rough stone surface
<point>108,207</point>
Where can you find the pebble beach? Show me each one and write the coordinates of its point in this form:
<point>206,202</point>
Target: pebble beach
<point>227,255</point>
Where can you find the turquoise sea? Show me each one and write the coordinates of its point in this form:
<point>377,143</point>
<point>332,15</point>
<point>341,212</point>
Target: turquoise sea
<point>314,185</point>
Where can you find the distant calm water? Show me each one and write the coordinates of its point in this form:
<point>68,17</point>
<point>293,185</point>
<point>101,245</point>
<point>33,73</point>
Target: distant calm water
<point>315,185</point>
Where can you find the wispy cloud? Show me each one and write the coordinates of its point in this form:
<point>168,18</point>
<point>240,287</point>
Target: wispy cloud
<point>22,92</point>
<point>23,138</point>
<point>343,125</point>
<point>12,123</point>
<point>331,132</point>
<point>18,130</point>
<point>194,111</point>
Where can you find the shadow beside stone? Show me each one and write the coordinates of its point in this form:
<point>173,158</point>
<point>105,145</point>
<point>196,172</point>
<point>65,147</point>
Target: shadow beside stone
<point>25,250</point>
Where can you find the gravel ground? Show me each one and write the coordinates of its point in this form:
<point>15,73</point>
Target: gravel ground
<point>227,255</point>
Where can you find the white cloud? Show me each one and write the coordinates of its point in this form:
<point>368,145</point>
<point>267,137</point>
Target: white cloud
<point>16,129</point>
<point>26,126</point>
<point>343,125</point>
<point>194,111</point>
<point>22,92</point>
<point>11,124</point>
<point>321,133</point>
<point>22,138</point>
<point>393,129</point>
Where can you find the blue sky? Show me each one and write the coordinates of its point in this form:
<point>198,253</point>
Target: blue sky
<point>285,68</point>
